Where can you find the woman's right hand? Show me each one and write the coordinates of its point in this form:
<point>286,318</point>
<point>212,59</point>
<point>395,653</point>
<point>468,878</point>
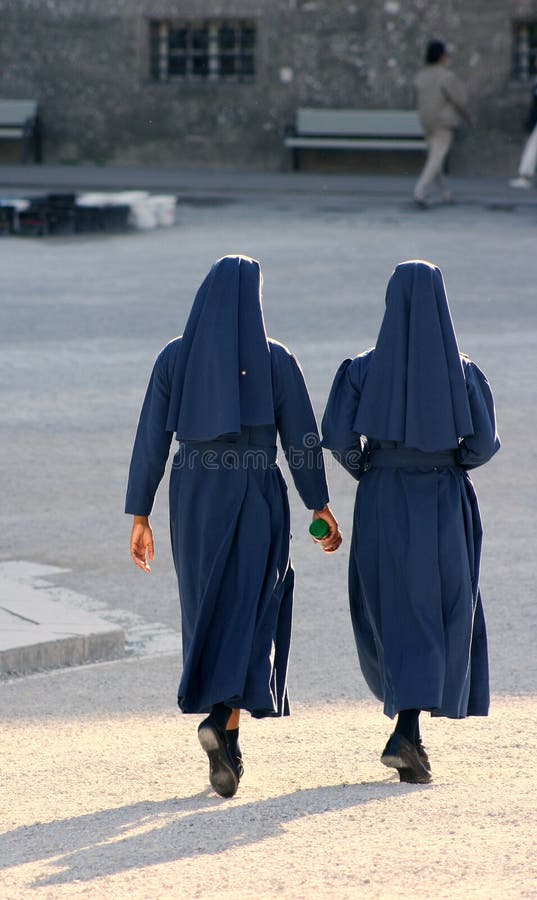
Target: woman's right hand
<point>333,540</point>
<point>142,545</point>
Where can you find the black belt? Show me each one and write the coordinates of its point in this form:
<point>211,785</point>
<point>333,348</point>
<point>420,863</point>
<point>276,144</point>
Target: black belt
<point>406,457</point>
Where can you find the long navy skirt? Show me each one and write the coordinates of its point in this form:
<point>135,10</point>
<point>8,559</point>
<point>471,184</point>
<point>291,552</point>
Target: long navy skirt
<point>413,585</point>
<point>229,520</point>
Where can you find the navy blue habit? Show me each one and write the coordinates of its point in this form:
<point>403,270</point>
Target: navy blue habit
<point>408,419</point>
<point>227,391</point>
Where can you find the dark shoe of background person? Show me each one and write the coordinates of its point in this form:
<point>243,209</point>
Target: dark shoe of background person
<point>521,182</point>
<point>401,754</point>
<point>223,772</point>
<point>422,202</point>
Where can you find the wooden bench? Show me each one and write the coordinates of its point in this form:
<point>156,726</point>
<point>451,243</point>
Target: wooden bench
<point>354,129</point>
<point>19,120</point>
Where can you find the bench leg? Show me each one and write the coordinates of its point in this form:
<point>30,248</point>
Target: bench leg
<point>290,159</point>
<point>38,141</point>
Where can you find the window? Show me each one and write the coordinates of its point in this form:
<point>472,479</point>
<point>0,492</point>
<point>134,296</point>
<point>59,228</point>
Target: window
<point>214,50</point>
<point>524,50</point>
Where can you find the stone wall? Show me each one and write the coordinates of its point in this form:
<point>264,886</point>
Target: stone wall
<point>87,61</point>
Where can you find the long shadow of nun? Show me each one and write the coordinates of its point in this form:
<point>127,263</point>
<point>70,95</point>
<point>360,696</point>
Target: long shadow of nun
<point>155,832</point>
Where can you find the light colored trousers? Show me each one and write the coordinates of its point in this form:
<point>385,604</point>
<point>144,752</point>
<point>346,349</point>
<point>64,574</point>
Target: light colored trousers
<point>528,160</point>
<point>438,144</point>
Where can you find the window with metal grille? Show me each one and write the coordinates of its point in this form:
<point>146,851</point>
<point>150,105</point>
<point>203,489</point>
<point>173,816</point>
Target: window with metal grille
<point>213,50</point>
<point>524,50</point>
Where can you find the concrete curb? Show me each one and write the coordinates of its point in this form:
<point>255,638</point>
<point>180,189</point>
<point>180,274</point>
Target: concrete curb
<point>184,183</point>
<point>69,651</point>
<point>38,633</point>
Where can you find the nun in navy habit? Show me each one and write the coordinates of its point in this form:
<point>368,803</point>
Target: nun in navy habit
<point>408,419</point>
<point>227,391</point>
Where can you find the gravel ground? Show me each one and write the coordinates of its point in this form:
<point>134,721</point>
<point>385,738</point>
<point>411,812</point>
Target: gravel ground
<point>104,789</point>
<point>115,804</point>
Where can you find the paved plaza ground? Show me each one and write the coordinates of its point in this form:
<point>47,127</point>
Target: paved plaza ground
<point>104,789</point>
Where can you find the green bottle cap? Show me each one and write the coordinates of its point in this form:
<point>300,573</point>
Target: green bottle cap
<point>319,529</point>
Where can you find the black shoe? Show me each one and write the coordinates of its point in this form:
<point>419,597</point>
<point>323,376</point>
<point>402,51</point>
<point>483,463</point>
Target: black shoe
<point>232,738</point>
<point>223,772</point>
<point>422,753</point>
<point>239,766</point>
<point>401,754</point>
<point>407,774</point>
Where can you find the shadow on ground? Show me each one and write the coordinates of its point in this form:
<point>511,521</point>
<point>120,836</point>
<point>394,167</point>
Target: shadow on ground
<point>151,833</point>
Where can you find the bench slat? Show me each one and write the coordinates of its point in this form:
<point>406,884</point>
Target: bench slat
<point>15,113</point>
<point>15,132</point>
<point>356,143</point>
<point>358,123</point>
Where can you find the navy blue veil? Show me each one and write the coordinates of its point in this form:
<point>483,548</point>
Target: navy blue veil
<point>415,392</point>
<point>222,376</point>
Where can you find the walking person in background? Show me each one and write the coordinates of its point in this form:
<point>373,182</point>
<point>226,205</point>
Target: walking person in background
<point>226,390</point>
<point>442,105</point>
<point>408,419</point>
<point>528,160</point>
